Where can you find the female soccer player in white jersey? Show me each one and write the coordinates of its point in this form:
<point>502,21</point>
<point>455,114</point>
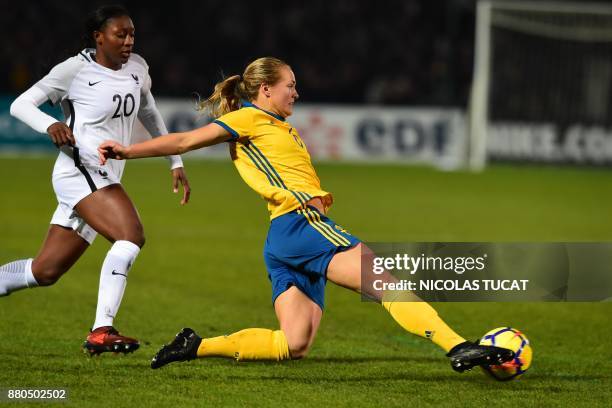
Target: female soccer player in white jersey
<point>102,90</point>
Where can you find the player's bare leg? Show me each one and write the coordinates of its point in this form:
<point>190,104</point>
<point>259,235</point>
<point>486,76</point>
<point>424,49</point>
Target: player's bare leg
<point>410,312</point>
<point>299,319</point>
<point>61,248</point>
<point>111,213</point>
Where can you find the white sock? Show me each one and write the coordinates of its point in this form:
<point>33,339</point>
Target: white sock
<point>113,279</point>
<point>16,275</point>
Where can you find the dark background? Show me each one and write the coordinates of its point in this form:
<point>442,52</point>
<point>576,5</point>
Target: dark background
<point>342,51</point>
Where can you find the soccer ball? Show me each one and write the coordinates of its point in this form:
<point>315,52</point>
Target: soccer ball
<point>507,337</point>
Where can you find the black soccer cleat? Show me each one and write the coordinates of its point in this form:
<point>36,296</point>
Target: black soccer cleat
<point>468,355</point>
<point>184,347</point>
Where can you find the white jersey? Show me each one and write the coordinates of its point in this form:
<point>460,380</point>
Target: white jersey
<point>98,103</point>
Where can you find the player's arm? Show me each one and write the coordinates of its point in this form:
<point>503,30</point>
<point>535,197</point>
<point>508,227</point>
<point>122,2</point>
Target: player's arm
<point>52,87</point>
<point>173,143</point>
<point>25,108</point>
<point>149,116</point>
<point>152,120</point>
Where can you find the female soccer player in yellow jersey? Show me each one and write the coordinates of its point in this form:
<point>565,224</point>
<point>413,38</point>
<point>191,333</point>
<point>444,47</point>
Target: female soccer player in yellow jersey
<point>304,248</point>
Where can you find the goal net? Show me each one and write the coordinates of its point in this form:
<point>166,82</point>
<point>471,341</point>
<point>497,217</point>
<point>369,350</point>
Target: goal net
<point>542,87</point>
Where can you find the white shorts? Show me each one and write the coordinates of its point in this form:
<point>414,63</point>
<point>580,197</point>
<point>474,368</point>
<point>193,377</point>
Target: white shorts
<point>72,220</point>
<point>74,180</point>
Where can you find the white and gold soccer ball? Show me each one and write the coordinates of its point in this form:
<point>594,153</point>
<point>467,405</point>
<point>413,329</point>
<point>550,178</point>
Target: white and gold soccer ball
<point>512,339</point>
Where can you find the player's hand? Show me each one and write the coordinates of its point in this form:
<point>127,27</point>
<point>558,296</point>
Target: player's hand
<point>178,175</point>
<point>110,149</point>
<point>60,134</point>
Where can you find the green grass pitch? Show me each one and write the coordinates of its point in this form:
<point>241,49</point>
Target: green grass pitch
<point>202,267</point>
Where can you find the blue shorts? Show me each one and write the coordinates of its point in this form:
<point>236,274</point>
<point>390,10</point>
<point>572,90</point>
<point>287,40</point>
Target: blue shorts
<point>299,246</point>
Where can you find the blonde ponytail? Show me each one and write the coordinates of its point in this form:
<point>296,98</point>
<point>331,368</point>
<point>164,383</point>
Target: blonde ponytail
<point>224,99</point>
<point>230,92</point>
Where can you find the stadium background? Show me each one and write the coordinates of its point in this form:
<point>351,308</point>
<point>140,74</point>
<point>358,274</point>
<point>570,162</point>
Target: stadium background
<point>394,80</point>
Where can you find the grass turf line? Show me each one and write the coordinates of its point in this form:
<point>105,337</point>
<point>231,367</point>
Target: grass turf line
<point>202,267</point>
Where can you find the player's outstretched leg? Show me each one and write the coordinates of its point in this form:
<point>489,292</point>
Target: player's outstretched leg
<point>60,250</point>
<point>414,315</point>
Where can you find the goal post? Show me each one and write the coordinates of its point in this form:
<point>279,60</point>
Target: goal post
<point>542,83</point>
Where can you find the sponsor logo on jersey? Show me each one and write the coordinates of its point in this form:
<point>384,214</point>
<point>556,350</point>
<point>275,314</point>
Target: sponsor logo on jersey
<point>135,78</point>
<point>93,83</point>
<point>103,174</point>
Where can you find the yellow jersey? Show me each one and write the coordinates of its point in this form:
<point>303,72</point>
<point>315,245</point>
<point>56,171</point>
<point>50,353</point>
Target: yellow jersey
<point>272,159</point>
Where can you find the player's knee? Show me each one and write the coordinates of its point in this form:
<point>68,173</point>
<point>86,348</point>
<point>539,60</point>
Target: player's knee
<point>139,239</point>
<point>299,348</point>
<point>139,236</point>
<point>134,235</point>
<point>47,276</point>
